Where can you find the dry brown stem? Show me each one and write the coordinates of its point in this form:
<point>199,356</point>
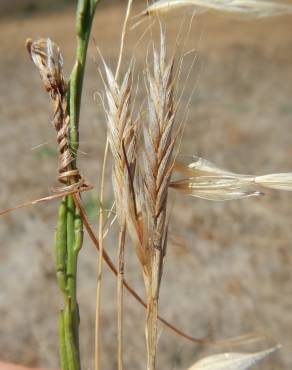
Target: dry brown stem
<point>120,295</point>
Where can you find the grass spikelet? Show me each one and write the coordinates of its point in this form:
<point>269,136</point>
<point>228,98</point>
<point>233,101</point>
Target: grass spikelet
<point>122,137</point>
<point>251,8</point>
<point>210,182</point>
<point>216,188</point>
<point>154,177</point>
<point>232,361</point>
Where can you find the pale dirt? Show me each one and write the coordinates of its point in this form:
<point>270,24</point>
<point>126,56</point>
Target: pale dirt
<point>229,265</point>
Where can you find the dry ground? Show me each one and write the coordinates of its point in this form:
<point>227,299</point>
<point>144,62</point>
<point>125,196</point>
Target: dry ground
<point>229,266</point>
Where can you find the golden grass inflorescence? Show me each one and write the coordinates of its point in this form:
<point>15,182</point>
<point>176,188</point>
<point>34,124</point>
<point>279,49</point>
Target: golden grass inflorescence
<point>141,179</point>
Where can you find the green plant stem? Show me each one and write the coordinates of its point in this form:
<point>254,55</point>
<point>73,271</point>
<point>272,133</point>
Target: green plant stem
<point>62,349</point>
<point>61,246</point>
<point>69,236</point>
<point>84,18</point>
<point>72,348</point>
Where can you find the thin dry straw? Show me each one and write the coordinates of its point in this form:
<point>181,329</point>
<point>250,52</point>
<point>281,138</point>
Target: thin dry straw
<point>124,31</point>
<point>45,199</point>
<point>101,225</point>
<point>251,8</point>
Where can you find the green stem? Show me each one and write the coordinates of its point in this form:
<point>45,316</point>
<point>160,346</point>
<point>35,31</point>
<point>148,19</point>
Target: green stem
<point>63,352</point>
<point>72,350</point>
<point>84,18</point>
<point>69,236</point>
<point>61,246</point>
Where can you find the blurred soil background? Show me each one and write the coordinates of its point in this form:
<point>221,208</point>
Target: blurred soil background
<point>229,266</point>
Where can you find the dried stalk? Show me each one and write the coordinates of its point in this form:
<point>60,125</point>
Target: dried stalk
<point>99,268</point>
<point>120,296</point>
<point>121,250</point>
<point>101,233</point>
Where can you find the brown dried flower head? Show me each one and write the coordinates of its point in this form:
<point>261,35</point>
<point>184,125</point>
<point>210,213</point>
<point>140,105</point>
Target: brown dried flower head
<point>47,57</point>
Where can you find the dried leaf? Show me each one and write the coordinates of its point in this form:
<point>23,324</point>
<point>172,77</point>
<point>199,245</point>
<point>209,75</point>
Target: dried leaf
<point>232,361</point>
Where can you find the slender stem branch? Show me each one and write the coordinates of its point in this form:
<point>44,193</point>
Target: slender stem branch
<point>101,209</point>
<point>120,293</point>
<point>153,297</point>
<point>124,30</point>
<point>137,297</point>
<point>100,261</point>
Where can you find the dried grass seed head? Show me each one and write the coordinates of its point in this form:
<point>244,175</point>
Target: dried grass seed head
<point>47,57</point>
<point>122,136</point>
<point>158,134</point>
<point>157,159</point>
